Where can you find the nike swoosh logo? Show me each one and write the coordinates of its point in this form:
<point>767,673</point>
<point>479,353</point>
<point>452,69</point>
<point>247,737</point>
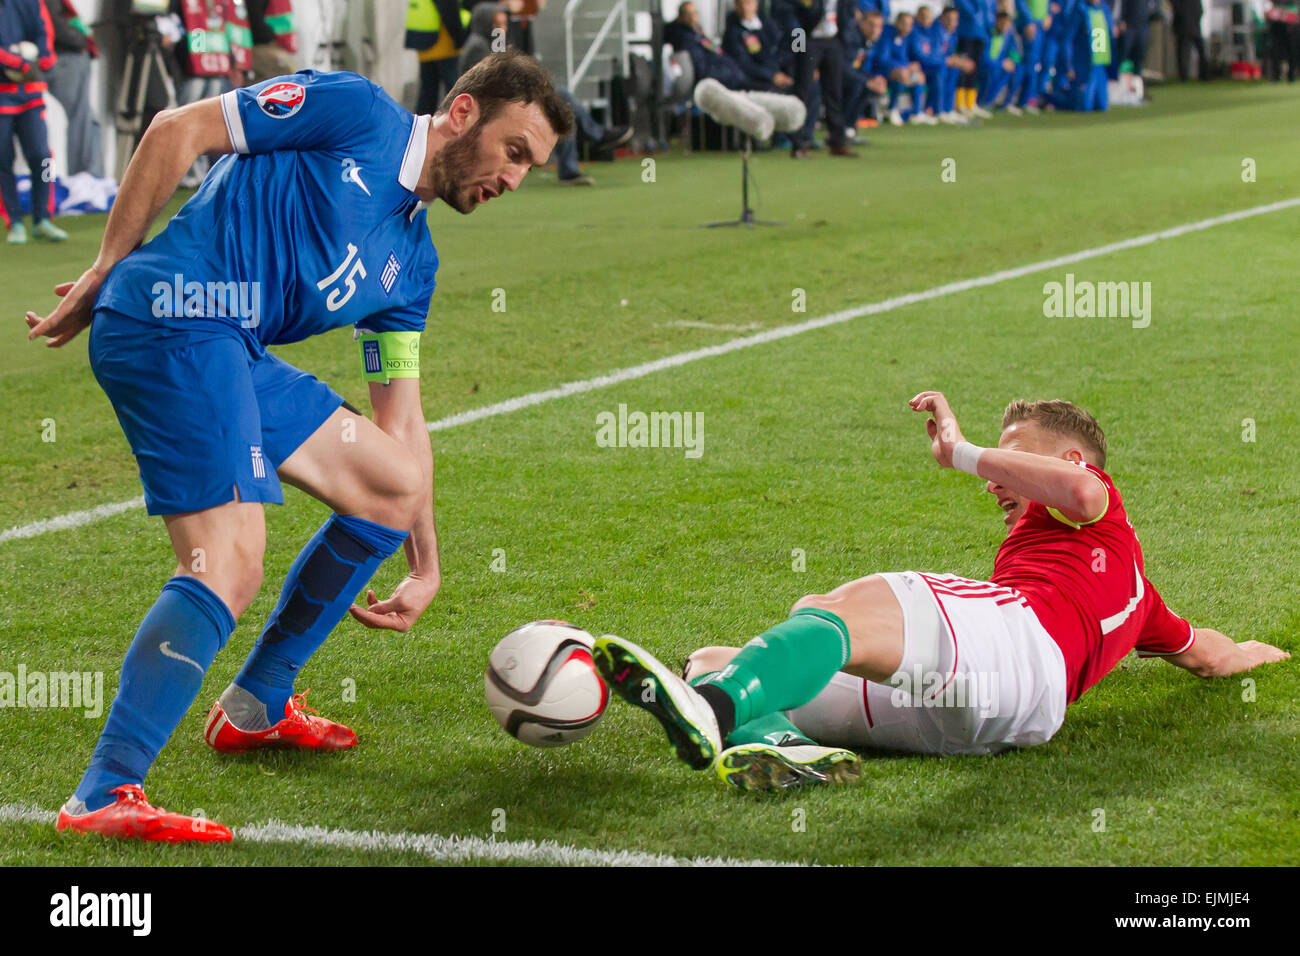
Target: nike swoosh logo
<point>168,652</point>
<point>354,174</point>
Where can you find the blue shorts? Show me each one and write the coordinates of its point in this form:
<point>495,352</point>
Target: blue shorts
<point>205,412</point>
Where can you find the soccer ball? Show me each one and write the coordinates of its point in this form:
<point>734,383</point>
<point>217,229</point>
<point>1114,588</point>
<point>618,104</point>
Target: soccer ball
<point>28,51</point>
<point>542,686</point>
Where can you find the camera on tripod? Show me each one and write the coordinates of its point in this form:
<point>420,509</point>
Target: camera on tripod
<point>146,68</point>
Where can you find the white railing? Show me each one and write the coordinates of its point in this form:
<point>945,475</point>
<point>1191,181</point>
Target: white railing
<point>617,15</point>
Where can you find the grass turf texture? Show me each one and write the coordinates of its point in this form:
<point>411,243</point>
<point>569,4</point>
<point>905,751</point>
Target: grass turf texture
<point>808,444</point>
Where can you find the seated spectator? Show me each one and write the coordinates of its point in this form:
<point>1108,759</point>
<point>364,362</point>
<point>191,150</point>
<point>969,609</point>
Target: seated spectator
<point>974,24</point>
<point>1032,17</point>
<point>945,65</point>
<point>1001,62</point>
<point>866,74</point>
<point>754,44</point>
<point>924,48</point>
<point>485,22</point>
<point>905,73</point>
<point>707,60</point>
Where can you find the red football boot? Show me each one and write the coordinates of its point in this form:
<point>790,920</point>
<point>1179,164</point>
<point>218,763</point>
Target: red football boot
<point>131,817</point>
<point>300,730</point>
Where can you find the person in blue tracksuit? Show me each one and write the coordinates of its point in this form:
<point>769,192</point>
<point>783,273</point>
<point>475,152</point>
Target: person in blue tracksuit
<point>22,114</point>
<point>924,51</point>
<point>1031,19</point>
<point>1056,41</point>
<point>1090,51</point>
<point>754,43</point>
<point>865,68</point>
<point>1001,60</point>
<point>973,26</point>
<point>949,74</point>
<point>905,73</point>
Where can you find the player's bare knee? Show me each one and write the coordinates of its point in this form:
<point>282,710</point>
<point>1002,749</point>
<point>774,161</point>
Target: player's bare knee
<point>822,601</point>
<point>243,581</point>
<point>708,659</point>
<point>244,591</point>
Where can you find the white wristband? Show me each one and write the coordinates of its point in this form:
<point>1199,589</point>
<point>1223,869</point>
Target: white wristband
<point>966,457</point>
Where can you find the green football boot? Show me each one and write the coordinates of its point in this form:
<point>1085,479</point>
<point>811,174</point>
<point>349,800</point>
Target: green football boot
<point>795,764</point>
<point>634,674</point>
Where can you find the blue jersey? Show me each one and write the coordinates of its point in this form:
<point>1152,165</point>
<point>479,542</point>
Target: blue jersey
<point>312,226</point>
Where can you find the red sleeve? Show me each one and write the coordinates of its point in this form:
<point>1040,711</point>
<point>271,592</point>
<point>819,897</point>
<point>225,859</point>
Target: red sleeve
<point>45,39</point>
<point>1163,632</point>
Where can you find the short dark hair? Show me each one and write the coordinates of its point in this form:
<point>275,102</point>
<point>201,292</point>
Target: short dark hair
<point>512,76</point>
<point>1064,418</point>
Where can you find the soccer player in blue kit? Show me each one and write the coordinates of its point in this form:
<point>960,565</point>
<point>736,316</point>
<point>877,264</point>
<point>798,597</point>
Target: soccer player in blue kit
<point>316,222</point>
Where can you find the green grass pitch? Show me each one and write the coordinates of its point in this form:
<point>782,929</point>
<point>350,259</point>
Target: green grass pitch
<point>808,444</point>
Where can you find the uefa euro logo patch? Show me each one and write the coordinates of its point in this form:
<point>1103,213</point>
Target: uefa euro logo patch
<point>370,351</point>
<point>281,100</point>
<point>391,268</point>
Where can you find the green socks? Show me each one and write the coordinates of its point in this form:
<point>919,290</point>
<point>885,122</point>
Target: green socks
<point>775,729</point>
<point>777,671</point>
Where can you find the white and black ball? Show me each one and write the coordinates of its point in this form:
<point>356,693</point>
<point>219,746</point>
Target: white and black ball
<point>542,685</point>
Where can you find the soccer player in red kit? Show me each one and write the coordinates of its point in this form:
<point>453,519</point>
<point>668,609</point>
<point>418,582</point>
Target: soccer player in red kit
<point>935,663</point>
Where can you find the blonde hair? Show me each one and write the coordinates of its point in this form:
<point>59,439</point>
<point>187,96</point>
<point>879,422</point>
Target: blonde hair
<point>1063,418</point>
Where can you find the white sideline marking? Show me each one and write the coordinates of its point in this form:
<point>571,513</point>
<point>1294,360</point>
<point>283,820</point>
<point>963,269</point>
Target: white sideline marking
<point>71,520</point>
<point>78,518</point>
<point>444,849</point>
<point>717,327</point>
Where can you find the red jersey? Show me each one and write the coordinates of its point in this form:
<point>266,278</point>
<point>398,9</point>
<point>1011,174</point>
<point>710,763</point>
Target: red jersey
<point>1088,587</point>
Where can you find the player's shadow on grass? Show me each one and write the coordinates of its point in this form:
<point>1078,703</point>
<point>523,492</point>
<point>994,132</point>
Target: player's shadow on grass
<point>1141,752</point>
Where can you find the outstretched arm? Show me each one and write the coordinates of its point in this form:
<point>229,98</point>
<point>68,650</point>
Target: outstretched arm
<point>173,141</point>
<point>1054,483</point>
<point>1216,655</point>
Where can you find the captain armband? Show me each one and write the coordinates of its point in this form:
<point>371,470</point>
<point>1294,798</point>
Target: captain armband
<point>389,355</point>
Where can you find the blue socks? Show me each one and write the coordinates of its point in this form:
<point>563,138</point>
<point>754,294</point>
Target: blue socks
<point>161,676</point>
<point>336,563</point>
<point>189,624</point>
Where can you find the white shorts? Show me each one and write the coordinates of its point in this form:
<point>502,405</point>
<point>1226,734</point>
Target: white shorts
<point>980,675</point>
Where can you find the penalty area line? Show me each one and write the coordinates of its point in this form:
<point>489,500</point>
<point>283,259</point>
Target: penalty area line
<point>77,519</point>
<point>441,849</point>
